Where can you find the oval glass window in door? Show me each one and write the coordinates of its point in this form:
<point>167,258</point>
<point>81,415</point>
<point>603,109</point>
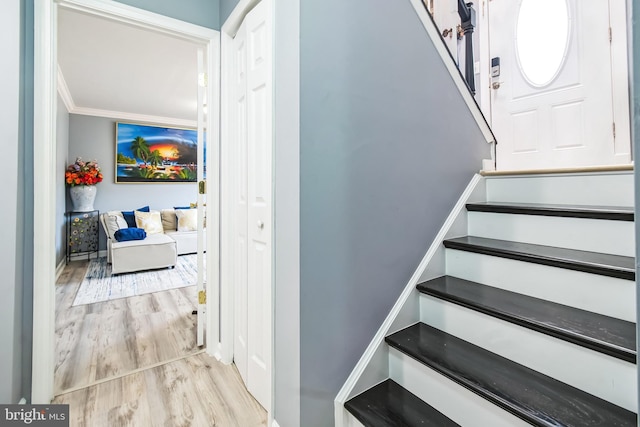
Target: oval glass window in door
<point>542,38</point>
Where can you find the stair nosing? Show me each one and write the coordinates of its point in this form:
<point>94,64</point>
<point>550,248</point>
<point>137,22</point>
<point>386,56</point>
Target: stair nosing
<point>565,211</point>
<point>593,268</point>
<point>508,405</point>
<point>611,349</point>
<point>431,412</point>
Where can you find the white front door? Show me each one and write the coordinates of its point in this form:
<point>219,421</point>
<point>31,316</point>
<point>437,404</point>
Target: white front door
<point>556,102</point>
<point>253,293</point>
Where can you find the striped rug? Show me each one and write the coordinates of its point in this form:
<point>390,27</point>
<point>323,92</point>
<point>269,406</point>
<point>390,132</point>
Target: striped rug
<point>99,285</point>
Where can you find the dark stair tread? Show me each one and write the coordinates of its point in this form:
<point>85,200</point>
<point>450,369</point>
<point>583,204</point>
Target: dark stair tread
<point>601,333</point>
<point>529,395</point>
<point>616,213</point>
<point>390,405</point>
<point>619,266</point>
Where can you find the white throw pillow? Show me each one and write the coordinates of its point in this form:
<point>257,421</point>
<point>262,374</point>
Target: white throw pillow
<point>187,219</point>
<point>115,221</point>
<point>149,221</point>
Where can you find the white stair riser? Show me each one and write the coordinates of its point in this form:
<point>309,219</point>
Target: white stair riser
<point>600,294</point>
<point>456,402</point>
<point>595,235</point>
<point>351,421</point>
<point>604,376</point>
<point>612,189</point>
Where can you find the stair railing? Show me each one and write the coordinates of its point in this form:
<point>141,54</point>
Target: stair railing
<point>468,22</point>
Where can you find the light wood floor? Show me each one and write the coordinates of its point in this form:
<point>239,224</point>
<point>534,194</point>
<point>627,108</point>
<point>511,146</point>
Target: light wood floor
<point>108,339</point>
<point>196,391</point>
<point>133,362</point>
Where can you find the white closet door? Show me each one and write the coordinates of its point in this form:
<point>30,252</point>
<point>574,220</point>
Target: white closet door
<point>259,151</point>
<point>240,350</point>
<point>253,285</point>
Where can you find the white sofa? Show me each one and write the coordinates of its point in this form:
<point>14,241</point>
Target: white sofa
<point>158,250</point>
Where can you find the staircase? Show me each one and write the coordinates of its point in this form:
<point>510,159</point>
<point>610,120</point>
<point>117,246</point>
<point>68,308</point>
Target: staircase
<point>532,322</point>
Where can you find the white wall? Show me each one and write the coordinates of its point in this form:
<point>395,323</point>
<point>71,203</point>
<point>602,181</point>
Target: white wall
<point>10,251</point>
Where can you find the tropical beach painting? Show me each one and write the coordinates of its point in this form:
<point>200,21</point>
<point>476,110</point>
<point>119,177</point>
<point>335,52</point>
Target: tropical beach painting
<point>155,154</point>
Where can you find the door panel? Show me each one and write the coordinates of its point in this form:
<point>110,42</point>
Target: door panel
<point>259,152</point>
<point>240,350</point>
<point>253,288</point>
<point>564,122</point>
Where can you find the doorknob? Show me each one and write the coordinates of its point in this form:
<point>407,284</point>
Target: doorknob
<point>260,225</point>
<point>496,85</point>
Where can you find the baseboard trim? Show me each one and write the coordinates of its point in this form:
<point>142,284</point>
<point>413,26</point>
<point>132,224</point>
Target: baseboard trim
<point>60,267</point>
<point>347,389</point>
<point>557,171</point>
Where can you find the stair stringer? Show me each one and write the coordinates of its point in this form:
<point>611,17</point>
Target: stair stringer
<point>373,366</point>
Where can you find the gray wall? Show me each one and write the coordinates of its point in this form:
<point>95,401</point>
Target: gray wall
<point>93,138</point>
<point>226,7</point>
<point>387,146</point>
<point>62,149</point>
<point>11,256</point>
<point>199,12</point>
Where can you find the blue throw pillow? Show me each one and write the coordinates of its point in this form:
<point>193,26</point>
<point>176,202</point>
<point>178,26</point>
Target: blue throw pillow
<point>130,217</point>
<point>182,207</point>
<point>126,234</point>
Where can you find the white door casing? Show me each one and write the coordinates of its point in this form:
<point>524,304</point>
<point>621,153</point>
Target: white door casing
<point>253,228</point>
<point>45,93</point>
<point>445,15</point>
<point>569,120</point>
<point>200,206</point>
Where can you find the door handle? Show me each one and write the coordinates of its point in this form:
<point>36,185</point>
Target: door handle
<point>496,85</point>
<point>447,32</point>
<point>260,225</point>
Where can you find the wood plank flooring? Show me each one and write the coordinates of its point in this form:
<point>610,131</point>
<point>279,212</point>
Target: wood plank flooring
<point>195,391</point>
<point>112,338</point>
<point>134,362</point>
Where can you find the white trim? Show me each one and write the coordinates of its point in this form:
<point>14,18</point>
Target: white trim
<point>134,117</point>
<point>44,132</point>
<point>274,423</point>
<point>378,340</point>
<point>63,91</point>
<point>60,267</point>
<point>45,101</point>
<point>441,48</point>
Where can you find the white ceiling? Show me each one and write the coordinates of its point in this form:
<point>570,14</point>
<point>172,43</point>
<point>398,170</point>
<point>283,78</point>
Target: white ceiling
<point>118,70</point>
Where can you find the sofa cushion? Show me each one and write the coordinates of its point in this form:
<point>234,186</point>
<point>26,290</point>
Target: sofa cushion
<point>149,221</point>
<point>187,219</point>
<point>129,216</point>
<point>131,233</point>
<point>169,221</point>
<point>114,222</point>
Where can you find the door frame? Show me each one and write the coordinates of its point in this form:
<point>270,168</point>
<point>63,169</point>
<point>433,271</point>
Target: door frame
<point>44,128</point>
<point>229,178</point>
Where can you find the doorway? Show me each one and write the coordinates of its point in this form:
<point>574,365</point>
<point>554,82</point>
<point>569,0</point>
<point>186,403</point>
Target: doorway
<point>44,149</point>
<point>559,93</point>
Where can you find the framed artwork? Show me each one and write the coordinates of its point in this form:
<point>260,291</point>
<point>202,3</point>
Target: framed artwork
<point>147,153</point>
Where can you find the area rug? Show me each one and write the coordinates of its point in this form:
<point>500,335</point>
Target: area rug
<point>100,285</point>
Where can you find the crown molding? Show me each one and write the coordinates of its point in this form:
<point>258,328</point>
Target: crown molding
<point>63,91</point>
<point>72,108</point>
<point>133,117</point>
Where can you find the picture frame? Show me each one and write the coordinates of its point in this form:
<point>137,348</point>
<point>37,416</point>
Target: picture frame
<point>148,153</point>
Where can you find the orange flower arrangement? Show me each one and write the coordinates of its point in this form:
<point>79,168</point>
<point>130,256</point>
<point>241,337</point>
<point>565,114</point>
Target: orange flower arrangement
<point>83,173</point>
